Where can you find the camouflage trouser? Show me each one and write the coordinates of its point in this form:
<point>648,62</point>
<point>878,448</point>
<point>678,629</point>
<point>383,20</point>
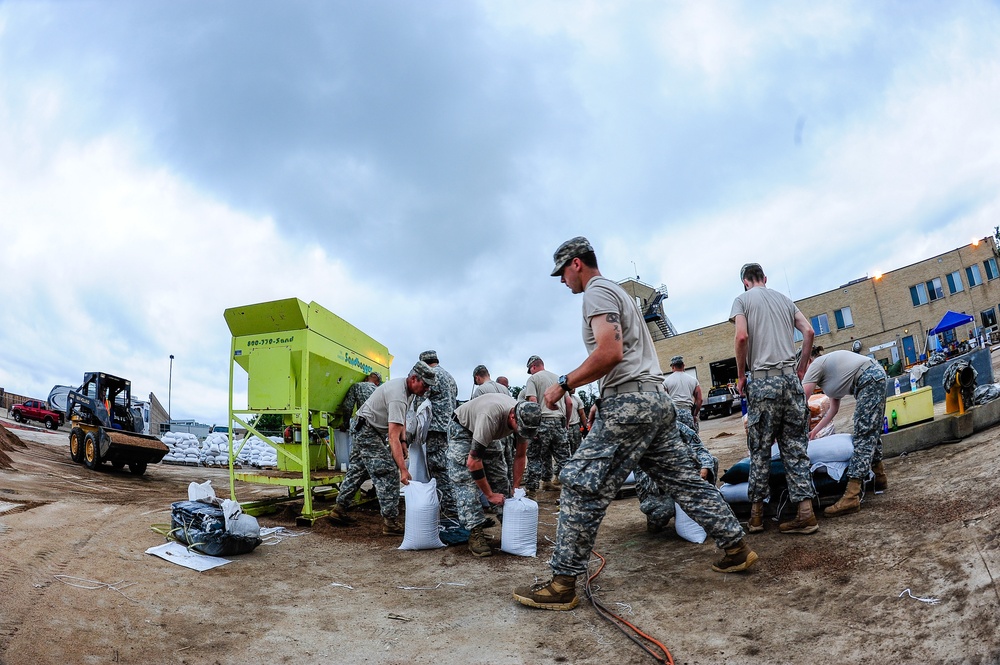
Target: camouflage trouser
<point>685,416</point>
<point>549,445</point>
<point>508,445</point>
<point>470,510</point>
<point>370,458</point>
<point>575,436</point>
<point>868,414</point>
<point>437,467</point>
<point>658,506</point>
<point>776,411</point>
<point>633,430</point>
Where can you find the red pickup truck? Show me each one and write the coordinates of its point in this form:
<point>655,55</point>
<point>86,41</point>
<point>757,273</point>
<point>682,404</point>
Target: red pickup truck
<point>35,409</point>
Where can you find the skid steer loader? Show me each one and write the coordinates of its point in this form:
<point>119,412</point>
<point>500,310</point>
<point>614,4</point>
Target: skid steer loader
<point>105,428</point>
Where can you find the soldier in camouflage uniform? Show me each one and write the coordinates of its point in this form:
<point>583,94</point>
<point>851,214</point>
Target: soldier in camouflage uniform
<point>442,396</point>
<point>576,422</point>
<point>685,391</point>
<point>776,406</point>
<point>843,373</point>
<point>659,506</point>
<point>379,447</point>
<point>484,385</point>
<point>636,428</point>
<point>550,446</point>
<point>475,457</point>
<point>356,396</point>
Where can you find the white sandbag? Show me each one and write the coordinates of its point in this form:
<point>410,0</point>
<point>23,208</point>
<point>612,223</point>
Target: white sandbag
<point>237,522</point>
<point>417,462</point>
<point>519,533</point>
<point>834,448</point>
<point>686,527</point>
<point>740,492</point>
<point>200,491</point>
<point>422,516</point>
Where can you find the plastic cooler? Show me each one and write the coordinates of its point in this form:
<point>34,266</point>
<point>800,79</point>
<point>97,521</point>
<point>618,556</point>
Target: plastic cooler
<point>911,408</point>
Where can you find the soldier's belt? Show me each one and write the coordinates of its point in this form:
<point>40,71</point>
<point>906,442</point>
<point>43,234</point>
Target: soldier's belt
<point>765,373</point>
<point>632,387</point>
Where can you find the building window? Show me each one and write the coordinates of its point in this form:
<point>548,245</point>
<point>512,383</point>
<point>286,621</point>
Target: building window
<point>798,336</point>
<point>844,318</point>
<point>934,290</point>
<point>918,294</point>
<point>991,269</point>
<point>973,276</point>
<point>821,324</point>
<point>955,284</point>
<point>989,317</point>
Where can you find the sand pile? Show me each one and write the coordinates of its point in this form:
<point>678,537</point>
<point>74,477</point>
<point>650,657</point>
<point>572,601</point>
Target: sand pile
<point>8,442</point>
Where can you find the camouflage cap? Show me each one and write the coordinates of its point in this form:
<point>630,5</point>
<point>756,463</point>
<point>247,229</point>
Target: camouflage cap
<point>429,356</point>
<point>424,372</point>
<point>568,251</point>
<point>677,360</point>
<point>528,416</point>
<point>480,370</point>
<point>532,360</point>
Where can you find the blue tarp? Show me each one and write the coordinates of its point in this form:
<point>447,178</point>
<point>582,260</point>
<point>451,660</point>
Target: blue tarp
<point>951,320</point>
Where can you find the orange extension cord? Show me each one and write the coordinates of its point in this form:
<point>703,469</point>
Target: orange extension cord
<point>630,631</point>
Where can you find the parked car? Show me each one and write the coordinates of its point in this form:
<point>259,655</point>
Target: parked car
<point>38,410</point>
<point>721,401</point>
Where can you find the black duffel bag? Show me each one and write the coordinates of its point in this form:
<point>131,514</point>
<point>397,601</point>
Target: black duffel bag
<point>202,527</point>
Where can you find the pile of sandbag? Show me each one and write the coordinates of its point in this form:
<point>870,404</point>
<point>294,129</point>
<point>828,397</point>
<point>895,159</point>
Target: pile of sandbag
<point>215,450</point>
<point>258,454</point>
<point>183,448</point>
<point>829,457</point>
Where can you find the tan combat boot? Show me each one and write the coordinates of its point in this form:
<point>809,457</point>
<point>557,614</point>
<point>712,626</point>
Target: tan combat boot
<point>478,544</point>
<point>392,526</point>
<point>849,503</point>
<point>756,523</point>
<point>881,480</point>
<point>738,557</point>
<point>804,522</point>
<point>557,594</point>
<point>340,517</point>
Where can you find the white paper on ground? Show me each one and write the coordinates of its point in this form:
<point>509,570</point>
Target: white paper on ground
<point>177,553</point>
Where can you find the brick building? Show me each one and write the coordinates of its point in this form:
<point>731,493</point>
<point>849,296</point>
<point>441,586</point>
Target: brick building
<point>890,313</point>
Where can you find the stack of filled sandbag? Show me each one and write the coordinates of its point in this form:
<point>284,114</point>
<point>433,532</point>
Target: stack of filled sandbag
<point>215,450</point>
<point>828,460</point>
<point>183,448</point>
<point>258,454</point>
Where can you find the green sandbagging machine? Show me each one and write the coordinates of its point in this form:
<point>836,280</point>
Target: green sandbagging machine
<point>299,360</point>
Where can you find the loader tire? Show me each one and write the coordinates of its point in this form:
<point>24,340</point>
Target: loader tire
<point>91,451</point>
<point>76,444</point>
<point>137,468</point>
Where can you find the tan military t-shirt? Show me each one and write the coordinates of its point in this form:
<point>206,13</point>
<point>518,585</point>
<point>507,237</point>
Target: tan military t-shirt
<point>681,386</point>
<point>536,386</point>
<point>837,372</point>
<point>387,404</point>
<point>486,417</point>
<point>601,296</point>
<point>771,324</point>
<point>489,388</point>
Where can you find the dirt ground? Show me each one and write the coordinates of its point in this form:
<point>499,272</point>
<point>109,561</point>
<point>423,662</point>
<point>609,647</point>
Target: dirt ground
<point>830,597</point>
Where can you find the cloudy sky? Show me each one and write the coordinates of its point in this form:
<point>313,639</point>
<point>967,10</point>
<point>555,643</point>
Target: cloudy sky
<point>411,166</point>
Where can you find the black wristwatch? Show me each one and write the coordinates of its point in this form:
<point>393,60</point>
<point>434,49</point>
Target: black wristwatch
<point>564,382</point>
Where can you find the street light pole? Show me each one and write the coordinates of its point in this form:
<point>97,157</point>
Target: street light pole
<point>170,389</point>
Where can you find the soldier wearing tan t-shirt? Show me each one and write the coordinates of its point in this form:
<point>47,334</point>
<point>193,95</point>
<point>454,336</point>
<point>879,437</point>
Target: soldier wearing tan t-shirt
<point>550,446</point>
<point>636,428</point>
